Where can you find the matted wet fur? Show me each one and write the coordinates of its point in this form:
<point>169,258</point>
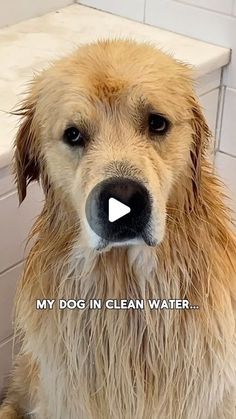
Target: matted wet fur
<point>123,364</point>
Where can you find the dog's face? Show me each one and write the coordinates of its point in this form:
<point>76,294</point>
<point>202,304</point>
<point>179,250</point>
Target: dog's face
<point>114,120</point>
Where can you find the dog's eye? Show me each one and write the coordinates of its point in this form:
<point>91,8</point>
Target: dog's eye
<point>73,137</point>
<point>158,124</point>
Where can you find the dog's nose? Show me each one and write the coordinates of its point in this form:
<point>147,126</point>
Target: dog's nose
<point>125,193</point>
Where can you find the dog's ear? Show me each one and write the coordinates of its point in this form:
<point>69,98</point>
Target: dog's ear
<point>26,165</point>
<point>201,135</point>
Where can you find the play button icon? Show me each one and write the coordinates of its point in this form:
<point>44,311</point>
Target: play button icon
<point>116,210</point>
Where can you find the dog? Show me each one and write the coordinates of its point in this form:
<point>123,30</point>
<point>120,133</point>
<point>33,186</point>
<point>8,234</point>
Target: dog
<point>121,119</point>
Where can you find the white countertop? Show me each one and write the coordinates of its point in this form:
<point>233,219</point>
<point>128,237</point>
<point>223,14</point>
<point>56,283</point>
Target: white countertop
<point>30,45</point>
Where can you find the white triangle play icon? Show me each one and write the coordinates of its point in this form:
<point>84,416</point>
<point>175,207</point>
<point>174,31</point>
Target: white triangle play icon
<point>116,209</point>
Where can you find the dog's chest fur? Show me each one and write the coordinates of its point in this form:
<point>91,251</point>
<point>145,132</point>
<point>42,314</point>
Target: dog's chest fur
<point>123,364</point>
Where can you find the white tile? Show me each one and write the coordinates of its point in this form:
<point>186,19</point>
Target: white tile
<point>13,11</point>
<point>15,223</point>
<point>209,103</point>
<point>8,281</point>
<point>222,6</point>
<point>198,23</point>
<point>208,82</point>
<point>5,362</point>
<point>226,168</point>
<point>228,131</point>
<point>234,8</point>
<point>133,9</point>
<point>6,357</point>
<point>6,154</point>
<point>7,183</point>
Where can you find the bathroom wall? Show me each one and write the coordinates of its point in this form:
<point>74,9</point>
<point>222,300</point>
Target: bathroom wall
<point>13,11</point>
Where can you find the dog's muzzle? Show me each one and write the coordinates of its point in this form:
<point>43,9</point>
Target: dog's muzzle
<point>124,193</point>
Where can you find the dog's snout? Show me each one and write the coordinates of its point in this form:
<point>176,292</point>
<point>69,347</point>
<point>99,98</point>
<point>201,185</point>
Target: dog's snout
<point>125,192</point>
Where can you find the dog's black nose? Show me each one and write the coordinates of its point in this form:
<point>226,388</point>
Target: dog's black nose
<point>118,209</point>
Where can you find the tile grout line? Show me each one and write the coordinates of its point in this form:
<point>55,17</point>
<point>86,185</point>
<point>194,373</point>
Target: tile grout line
<point>220,110</point>
<point>227,154</point>
<point>144,11</point>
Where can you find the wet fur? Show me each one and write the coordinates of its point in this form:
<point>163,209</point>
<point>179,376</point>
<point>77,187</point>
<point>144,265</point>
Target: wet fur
<point>110,364</point>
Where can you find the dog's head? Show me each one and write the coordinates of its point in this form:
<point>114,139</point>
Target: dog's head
<point>114,120</point>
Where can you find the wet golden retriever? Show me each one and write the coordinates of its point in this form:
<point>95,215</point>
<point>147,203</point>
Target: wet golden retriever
<point>120,119</point>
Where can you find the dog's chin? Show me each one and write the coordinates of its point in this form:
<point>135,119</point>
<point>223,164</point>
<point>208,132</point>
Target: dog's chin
<point>151,236</point>
<point>105,245</point>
